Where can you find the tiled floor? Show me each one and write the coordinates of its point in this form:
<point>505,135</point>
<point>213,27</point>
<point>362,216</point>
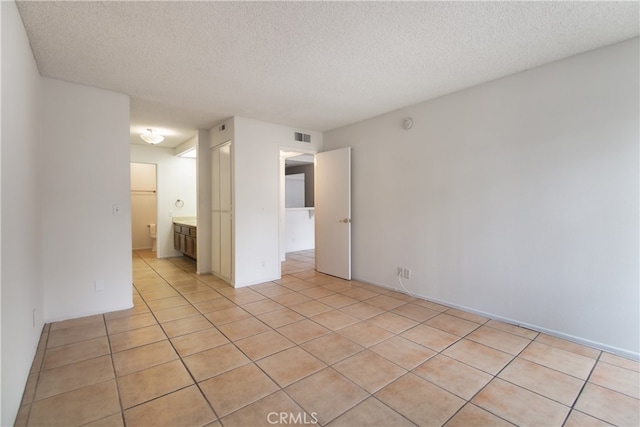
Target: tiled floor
<point>309,348</point>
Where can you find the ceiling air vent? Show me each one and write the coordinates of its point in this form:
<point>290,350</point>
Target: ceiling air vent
<point>302,137</point>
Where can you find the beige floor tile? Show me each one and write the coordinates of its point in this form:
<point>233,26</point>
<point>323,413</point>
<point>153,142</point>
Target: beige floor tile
<point>317,292</point>
<point>151,383</point>
<point>247,298</point>
<point>22,416</point>
<point>618,379</point>
<point>303,331</point>
<point>215,361</point>
<point>279,318</point>
<point>327,394</point>
<point>513,329</point>
<point>185,326</point>
<point>369,370</point>
<point>467,316</point>
<point>123,324</point>
<point>263,345</point>
<point>432,305</point>
<point>96,320</point>
<point>76,352</point>
<point>479,356</point>
<point>273,291</point>
<point>139,358</point>
<point>74,376</point>
<point>290,365</point>
<point>310,308</point>
<point>261,307</point>
<point>362,310</point>
<point>170,302</point>
<point>228,315</point>
<point>167,292</point>
<point>114,420</point>
<point>188,287</point>
<point>403,352</point>
<point>38,359</point>
<point>579,419</point>
<point>365,334</point>
<point>30,389</point>
<point>385,302</point>
<point>322,280</point>
<point>291,298</point>
<point>198,341</point>
<point>332,348</point>
<point>499,340</point>
<point>558,359</point>
<point>392,322</point>
<point>229,392</point>
<point>415,312</point>
<point>175,313</point>
<point>361,294</point>
<point>432,338</point>
<point>186,407</point>
<point>520,406</point>
<point>420,401</point>
<point>555,385</point>
<point>372,413</point>
<point>157,388</point>
<point>452,324</point>
<point>136,337</point>
<point>608,405</point>
<point>400,294</point>
<point>620,361</point>
<point>76,407</point>
<point>139,308</point>
<point>202,296</point>
<point>335,319</point>
<point>299,285</point>
<point>453,376</point>
<point>75,334</point>
<point>338,300</point>
<point>470,416</point>
<point>243,328</point>
<point>267,412</point>
<point>209,306</point>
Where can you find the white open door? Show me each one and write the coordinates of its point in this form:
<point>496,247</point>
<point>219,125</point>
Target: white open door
<point>333,212</point>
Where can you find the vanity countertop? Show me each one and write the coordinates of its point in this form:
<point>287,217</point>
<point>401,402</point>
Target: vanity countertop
<point>189,221</point>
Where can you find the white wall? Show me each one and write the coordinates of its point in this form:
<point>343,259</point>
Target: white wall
<point>517,198</point>
<point>21,255</point>
<point>176,180</point>
<point>256,152</point>
<point>203,191</point>
<point>299,229</point>
<point>85,172</point>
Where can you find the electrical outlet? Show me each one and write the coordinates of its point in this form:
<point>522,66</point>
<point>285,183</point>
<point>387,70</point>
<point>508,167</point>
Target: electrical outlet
<point>406,273</point>
<point>98,285</point>
<point>400,271</point>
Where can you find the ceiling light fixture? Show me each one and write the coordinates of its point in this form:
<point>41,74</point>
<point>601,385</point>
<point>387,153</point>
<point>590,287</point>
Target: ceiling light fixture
<point>151,138</point>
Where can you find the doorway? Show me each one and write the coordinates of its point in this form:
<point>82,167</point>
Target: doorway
<point>144,204</point>
<point>297,202</point>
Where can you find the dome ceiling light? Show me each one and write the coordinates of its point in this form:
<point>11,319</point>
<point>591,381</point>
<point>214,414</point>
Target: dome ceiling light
<point>152,138</point>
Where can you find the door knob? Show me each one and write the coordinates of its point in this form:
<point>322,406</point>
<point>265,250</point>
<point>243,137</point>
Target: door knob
<point>346,220</point>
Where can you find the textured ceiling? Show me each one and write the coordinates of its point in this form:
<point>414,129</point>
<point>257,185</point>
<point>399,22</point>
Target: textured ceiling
<point>312,65</point>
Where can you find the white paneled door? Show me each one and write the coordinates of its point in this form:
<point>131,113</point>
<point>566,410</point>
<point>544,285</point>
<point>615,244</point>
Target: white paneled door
<point>333,212</point>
